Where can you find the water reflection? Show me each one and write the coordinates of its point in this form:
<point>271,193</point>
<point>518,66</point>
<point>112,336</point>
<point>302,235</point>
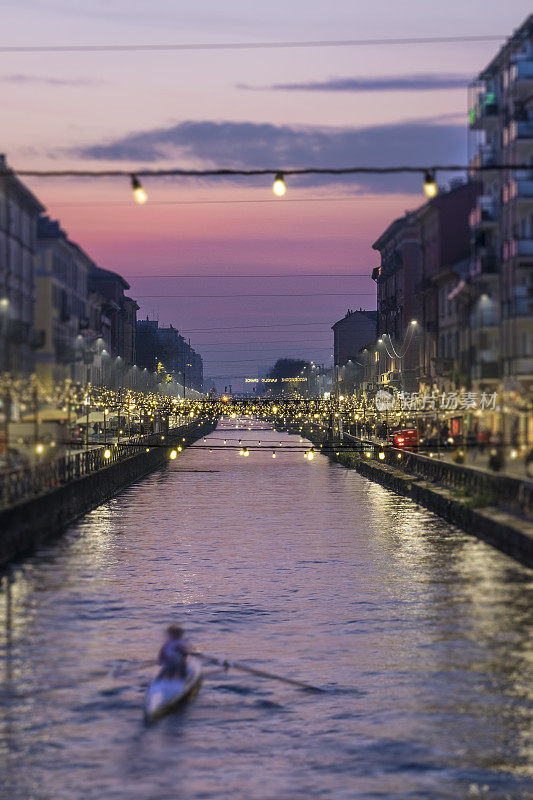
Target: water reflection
<point>305,568</point>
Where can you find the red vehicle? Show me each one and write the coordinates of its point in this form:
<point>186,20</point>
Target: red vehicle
<point>408,439</point>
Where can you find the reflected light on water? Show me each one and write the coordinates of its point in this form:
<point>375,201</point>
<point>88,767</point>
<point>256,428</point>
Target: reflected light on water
<point>308,570</point>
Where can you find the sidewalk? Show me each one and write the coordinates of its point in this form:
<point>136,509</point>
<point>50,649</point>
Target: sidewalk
<point>515,468</point>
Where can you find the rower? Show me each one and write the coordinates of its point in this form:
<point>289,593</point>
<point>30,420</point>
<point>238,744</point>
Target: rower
<point>173,653</point>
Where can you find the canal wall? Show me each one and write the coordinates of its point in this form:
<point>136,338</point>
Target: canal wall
<point>460,504</point>
<point>26,524</point>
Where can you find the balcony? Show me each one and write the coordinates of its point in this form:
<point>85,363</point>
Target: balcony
<point>486,265</point>
<point>485,158</point>
<point>18,332</point>
<point>485,214</point>
<point>485,318</point>
<point>65,353</point>
<point>443,366</point>
<point>521,307</point>
<point>38,340</point>
<point>521,190</point>
<point>486,370</point>
<point>388,304</point>
<point>485,112</point>
<point>523,367</point>
<point>517,130</point>
<point>521,247</point>
<point>521,75</point>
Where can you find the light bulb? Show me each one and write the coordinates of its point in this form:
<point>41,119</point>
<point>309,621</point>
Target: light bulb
<point>278,187</point>
<point>138,192</point>
<point>430,187</point>
<point>173,454</point>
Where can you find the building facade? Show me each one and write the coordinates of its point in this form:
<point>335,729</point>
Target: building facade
<point>19,211</point>
<point>397,363</point>
<point>423,320</point>
<point>115,315</point>
<point>350,335</point>
<point>164,349</point>
<point>444,235</point>
<point>61,270</point>
<point>501,126</point>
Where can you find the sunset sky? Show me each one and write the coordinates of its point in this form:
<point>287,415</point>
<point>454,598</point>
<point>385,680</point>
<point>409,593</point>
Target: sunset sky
<point>240,108</point>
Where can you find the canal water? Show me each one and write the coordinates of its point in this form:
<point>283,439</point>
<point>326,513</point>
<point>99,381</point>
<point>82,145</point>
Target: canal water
<point>303,568</point>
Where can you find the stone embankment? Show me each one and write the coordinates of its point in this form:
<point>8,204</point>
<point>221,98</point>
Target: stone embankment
<point>48,509</point>
<point>495,508</point>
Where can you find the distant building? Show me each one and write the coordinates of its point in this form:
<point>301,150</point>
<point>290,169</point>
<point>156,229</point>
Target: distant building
<point>19,210</point>
<point>444,236</point>
<point>118,326</point>
<point>423,326</point>
<point>166,347</point>
<point>350,334</point>
<point>399,247</point>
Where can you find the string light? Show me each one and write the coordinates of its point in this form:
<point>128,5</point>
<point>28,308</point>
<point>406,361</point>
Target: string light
<point>139,193</point>
<point>278,187</point>
<point>430,184</point>
<point>173,454</point>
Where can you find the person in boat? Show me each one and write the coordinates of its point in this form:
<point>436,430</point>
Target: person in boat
<point>173,654</point>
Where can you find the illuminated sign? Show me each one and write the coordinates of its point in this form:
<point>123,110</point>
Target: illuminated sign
<point>272,380</point>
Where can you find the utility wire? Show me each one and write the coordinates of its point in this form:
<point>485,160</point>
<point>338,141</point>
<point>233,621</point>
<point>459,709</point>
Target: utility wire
<point>326,323</point>
<point>222,296</point>
<point>158,48</point>
<point>280,275</point>
<point>216,360</point>
<point>217,354</point>
<point>281,342</point>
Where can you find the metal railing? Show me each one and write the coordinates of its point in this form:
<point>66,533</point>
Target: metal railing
<point>504,491</point>
<point>483,487</point>
<point>23,483</point>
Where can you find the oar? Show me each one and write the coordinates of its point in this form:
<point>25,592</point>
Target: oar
<point>253,671</point>
<point>121,669</point>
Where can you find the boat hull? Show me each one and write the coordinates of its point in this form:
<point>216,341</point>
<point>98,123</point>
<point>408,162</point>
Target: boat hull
<point>166,694</point>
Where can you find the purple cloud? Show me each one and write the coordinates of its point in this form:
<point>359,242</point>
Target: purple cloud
<point>387,83</point>
<point>248,145</point>
<point>32,79</point>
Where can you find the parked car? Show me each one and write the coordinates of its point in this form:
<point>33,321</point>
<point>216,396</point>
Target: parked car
<point>408,439</point>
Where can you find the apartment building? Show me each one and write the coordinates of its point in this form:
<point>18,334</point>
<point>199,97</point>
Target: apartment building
<point>399,248</point>
<point>61,269</point>
<point>19,211</point>
<point>501,140</point>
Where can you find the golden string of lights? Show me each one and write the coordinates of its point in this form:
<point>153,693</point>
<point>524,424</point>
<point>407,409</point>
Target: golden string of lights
<point>279,186</point>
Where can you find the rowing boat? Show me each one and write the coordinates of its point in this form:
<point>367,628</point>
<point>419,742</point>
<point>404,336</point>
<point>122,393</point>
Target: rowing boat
<point>166,693</point>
